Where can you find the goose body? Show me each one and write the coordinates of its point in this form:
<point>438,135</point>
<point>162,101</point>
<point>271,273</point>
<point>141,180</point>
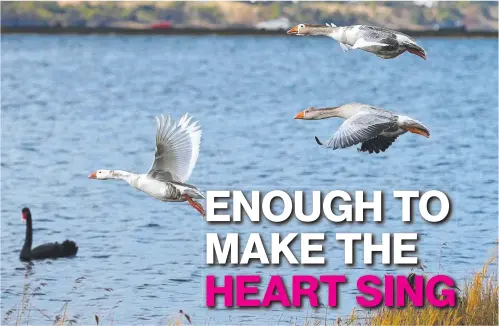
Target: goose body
<point>177,151</point>
<point>374,128</point>
<point>385,43</point>
<point>166,191</point>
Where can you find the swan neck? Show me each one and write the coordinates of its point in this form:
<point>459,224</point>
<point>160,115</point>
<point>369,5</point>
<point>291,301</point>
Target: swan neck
<point>28,240</point>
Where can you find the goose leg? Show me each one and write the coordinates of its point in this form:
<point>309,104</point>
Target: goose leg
<point>197,206</point>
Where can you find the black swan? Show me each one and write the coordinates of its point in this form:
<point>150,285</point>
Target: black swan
<point>48,250</point>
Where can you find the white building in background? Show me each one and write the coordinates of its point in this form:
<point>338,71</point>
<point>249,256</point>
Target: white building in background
<point>428,4</point>
<point>275,24</point>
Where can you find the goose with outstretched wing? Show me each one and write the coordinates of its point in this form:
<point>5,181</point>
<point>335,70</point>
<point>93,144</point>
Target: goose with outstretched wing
<point>385,43</point>
<point>374,128</point>
<point>177,151</point>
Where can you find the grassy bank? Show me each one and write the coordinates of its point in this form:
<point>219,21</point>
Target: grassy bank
<point>477,304</point>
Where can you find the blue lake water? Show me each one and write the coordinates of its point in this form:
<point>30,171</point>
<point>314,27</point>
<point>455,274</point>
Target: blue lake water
<point>74,104</point>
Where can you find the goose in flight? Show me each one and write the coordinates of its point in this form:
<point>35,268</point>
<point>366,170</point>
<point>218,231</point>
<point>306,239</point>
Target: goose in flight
<point>177,150</point>
<point>374,128</point>
<point>385,43</point>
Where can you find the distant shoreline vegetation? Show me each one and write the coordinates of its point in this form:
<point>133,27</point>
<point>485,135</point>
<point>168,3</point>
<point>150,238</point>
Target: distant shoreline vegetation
<point>206,31</point>
<point>396,15</point>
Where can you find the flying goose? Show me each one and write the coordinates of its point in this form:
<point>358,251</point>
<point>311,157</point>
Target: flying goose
<point>177,150</point>
<point>385,43</point>
<point>374,128</point>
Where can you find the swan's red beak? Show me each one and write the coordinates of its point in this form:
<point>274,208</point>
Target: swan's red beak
<point>93,175</point>
<point>293,31</point>
<point>23,218</point>
<point>300,115</point>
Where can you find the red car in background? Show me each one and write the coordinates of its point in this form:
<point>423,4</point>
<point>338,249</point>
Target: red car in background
<point>162,25</point>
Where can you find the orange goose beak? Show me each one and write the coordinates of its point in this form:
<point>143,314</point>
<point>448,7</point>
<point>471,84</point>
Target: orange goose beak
<point>300,115</point>
<point>92,175</point>
<point>293,31</point>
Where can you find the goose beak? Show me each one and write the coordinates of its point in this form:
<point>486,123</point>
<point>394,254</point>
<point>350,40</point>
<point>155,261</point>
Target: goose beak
<point>93,175</point>
<point>293,31</point>
<point>300,115</point>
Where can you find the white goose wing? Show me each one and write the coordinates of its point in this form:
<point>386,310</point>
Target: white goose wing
<point>177,148</point>
<point>361,127</point>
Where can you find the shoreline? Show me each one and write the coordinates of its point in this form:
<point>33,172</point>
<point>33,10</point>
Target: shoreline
<point>222,31</point>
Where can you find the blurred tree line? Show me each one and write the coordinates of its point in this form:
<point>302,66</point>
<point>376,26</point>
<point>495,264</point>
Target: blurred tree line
<point>393,13</point>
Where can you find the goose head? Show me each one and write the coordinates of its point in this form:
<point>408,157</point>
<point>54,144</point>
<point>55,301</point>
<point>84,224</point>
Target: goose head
<point>309,29</point>
<point>317,113</point>
<point>101,175</point>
